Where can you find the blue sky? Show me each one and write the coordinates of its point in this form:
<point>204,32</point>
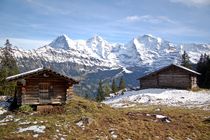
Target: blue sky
<point>33,23</point>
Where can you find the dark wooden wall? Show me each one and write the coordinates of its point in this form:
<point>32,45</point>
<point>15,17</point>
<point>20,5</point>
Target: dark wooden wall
<point>149,82</point>
<point>32,95</point>
<point>172,77</point>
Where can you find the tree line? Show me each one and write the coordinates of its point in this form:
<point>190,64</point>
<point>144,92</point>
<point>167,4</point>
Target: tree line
<point>8,67</point>
<point>106,89</point>
<point>202,66</point>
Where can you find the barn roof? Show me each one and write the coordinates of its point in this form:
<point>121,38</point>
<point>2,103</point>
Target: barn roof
<point>178,66</point>
<point>38,71</point>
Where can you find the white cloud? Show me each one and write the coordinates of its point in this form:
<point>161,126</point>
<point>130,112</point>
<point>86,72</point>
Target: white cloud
<point>24,43</point>
<point>132,18</point>
<point>149,18</point>
<point>195,3</point>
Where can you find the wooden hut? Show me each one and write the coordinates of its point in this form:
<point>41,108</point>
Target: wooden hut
<point>172,76</point>
<point>41,86</point>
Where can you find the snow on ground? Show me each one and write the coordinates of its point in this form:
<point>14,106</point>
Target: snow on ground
<point>5,102</point>
<point>2,110</point>
<point>34,128</point>
<point>8,118</point>
<point>170,97</point>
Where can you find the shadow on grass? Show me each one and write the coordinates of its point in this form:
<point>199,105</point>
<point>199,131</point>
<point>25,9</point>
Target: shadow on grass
<point>207,121</point>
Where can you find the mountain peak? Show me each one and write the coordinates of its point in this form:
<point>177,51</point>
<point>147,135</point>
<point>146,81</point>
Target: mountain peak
<point>148,36</point>
<point>151,38</point>
<point>62,42</point>
<point>96,38</point>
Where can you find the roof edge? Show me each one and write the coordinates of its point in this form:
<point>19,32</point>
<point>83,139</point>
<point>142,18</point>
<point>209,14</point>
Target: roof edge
<point>27,73</point>
<point>179,66</point>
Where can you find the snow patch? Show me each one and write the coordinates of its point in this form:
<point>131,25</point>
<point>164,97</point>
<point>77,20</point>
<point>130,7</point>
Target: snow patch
<point>2,110</point>
<point>34,128</point>
<point>170,97</point>
<point>8,118</point>
<point>126,70</point>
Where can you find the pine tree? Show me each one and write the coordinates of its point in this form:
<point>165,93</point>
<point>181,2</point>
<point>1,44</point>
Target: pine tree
<point>207,74</point>
<point>86,96</point>
<point>8,67</point>
<point>122,84</point>
<point>107,90</point>
<point>100,96</point>
<point>203,67</point>
<point>114,86</point>
<point>186,60</point>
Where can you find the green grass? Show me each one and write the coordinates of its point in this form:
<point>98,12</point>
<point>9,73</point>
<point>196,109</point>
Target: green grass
<point>186,123</point>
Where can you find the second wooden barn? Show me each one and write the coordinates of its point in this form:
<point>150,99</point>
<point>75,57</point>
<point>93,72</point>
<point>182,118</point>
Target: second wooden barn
<point>172,76</point>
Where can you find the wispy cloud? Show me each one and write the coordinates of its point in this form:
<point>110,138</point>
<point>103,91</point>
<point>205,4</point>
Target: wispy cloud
<point>24,43</point>
<point>133,18</point>
<point>195,3</point>
<point>47,8</point>
<point>149,19</point>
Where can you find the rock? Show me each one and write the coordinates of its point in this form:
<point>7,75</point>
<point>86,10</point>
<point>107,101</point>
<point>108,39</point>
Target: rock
<point>84,121</point>
<point>35,135</point>
<point>114,136</point>
<point>16,120</point>
<point>35,122</point>
<point>2,110</point>
<point>169,138</point>
<point>24,123</point>
<point>157,110</point>
<point>163,118</point>
<point>8,118</point>
<point>112,131</point>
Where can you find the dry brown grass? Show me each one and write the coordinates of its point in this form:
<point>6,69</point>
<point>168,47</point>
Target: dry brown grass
<point>131,123</point>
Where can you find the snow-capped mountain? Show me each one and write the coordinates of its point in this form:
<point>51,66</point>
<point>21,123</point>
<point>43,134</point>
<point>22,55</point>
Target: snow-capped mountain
<point>145,50</point>
<point>82,58</point>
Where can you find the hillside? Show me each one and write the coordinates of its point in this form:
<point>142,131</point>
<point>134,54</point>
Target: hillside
<point>83,119</point>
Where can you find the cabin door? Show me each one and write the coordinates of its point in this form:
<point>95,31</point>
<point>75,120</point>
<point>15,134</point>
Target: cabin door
<point>44,96</point>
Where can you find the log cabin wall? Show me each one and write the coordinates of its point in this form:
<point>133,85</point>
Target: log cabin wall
<point>40,89</point>
<point>171,77</point>
<point>174,78</point>
<point>150,81</point>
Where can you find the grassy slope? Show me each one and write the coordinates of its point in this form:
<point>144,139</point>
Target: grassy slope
<point>185,123</point>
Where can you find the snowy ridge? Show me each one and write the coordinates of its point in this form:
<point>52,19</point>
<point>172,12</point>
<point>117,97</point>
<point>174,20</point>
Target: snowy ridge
<point>145,50</point>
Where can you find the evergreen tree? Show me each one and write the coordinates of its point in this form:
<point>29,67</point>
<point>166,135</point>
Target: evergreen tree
<point>186,60</point>
<point>207,74</point>
<point>107,90</point>
<point>114,86</point>
<point>86,96</point>
<point>203,67</point>
<point>8,67</point>
<point>122,84</point>
<point>100,96</point>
